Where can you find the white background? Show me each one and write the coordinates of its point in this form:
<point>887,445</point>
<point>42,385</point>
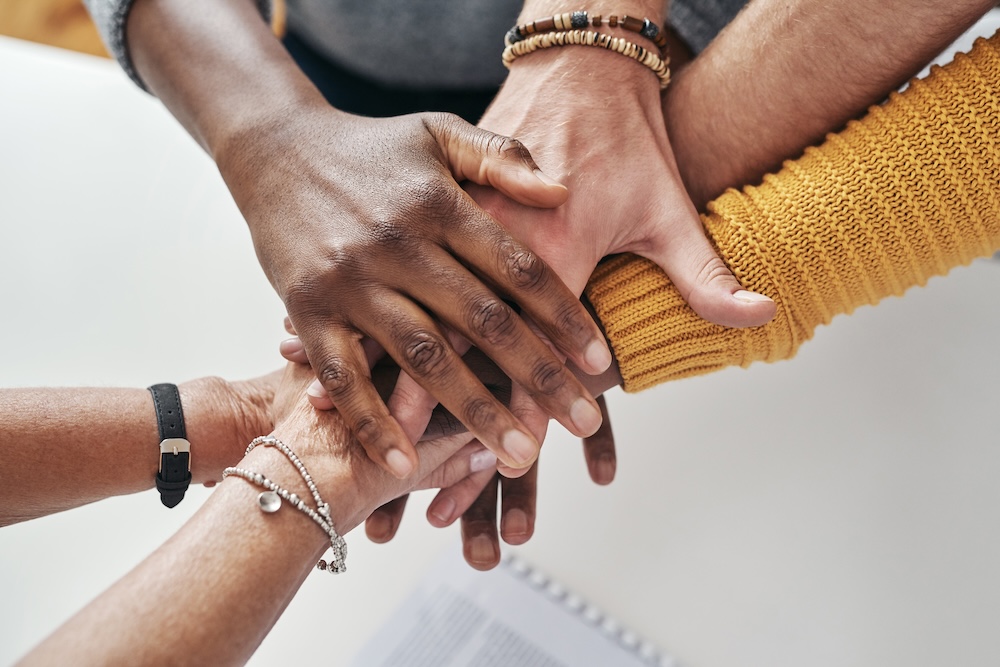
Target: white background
<point>839,509</point>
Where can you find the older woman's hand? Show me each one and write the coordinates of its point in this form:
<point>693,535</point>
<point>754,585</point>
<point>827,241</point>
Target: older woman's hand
<point>241,565</point>
<point>353,484</point>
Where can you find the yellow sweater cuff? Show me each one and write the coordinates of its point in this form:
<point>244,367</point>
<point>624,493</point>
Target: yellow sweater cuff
<point>908,192</point>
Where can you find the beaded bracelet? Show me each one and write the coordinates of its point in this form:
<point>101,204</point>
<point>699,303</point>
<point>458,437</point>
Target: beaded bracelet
<point>270,500</point>
<point>580,19</point>
<point>547,40</point>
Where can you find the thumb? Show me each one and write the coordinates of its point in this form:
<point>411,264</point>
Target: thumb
<point>480,156</point>
<point>704,280</point>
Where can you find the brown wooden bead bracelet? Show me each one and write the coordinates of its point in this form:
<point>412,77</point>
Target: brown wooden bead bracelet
<point>579,20</point>
<point>547,40</point>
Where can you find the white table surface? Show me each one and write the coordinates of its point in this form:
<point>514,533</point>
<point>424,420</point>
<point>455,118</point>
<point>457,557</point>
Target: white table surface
<point>839,509</point>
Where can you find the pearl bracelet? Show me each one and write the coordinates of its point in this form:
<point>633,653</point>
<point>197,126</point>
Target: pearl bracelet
<point>270,500</point>
<point>547,40</point>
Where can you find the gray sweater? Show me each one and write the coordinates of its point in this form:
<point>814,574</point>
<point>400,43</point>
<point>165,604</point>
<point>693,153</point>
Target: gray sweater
<point>418,44</point>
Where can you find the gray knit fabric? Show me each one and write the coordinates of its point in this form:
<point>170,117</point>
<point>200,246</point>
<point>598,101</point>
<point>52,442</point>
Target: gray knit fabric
<point>697,22</point>
<point>110,16</point>
<point>416,44</point>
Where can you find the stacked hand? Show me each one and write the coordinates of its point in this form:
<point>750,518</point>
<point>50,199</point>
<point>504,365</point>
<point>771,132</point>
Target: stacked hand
<point>353,484</point>
<point>624,195</point>
<point>611,150</point>
<point>364,231</point>
<point>225,416</point>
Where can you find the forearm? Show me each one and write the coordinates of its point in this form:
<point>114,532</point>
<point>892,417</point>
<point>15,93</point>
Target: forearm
<point>216,66</point>
<point>220,584</point>
<point>908,192</point>
<point>62,448</point>
<point>222,581</point>
<point>782,75</point>
<point>231,569</point>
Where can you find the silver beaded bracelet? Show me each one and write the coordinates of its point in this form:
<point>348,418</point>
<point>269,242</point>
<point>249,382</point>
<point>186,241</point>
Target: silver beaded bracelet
<point>270,500</point>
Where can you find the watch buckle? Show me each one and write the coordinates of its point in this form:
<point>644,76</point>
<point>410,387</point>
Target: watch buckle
<point>175,446</point>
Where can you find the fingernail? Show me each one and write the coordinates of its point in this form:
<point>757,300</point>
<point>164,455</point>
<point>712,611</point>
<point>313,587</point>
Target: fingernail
<point>520,447</point>
<point>482,460</point>
<point>481,550</point>
<point>750,297</point>
<point>548,180</point>
<point>586,416</point>
<point>514,523</point>
<point>507,471</point>
<point>316,390</point>
<point>604,469</point>
<point>398,463</point>
<point>598,356</point>
<point>443,510</point>
<point>291,345</point>
<point>379,526</point>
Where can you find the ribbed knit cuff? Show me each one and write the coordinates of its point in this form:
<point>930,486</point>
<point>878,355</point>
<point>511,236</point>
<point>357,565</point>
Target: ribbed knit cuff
<point>908,192</point>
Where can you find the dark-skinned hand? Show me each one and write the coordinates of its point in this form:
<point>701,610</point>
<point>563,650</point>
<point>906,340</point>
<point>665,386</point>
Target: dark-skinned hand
<point>363,230</point>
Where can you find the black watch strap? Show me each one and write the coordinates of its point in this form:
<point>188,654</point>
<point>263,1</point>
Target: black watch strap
<point>174,475</point>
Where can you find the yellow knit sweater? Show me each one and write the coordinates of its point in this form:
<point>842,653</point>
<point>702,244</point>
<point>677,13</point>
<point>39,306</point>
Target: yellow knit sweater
<point>908,192</point>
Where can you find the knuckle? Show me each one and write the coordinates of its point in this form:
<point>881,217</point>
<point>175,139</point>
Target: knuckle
<point>713,271</point>
<point>477,521</point>
<point>425,353</point>
<point>421,202</point>
<point>438,121</point>
<point>435,197</point>
<point>712,274</point>
<point>300,295</point>
<point>387,231</point>
<point>507,148</point>
<point>368,429</point>
<point>432,201</point>
<point>308,286</point>
<point>567,319</point>
<point>450,472</point>
<point>335,259</point>
<point>492,320</point>
<point>337,376</point>
<point>478,413</point>
<point>548,377</point>
<point>525,268</point>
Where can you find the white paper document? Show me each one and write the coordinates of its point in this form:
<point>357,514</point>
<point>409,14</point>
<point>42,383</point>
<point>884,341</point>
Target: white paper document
<point>512,616</point>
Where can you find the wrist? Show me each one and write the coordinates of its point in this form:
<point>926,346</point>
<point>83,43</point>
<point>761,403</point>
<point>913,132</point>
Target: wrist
<point>218,72</point>
<point>221,418</point>
<point>582,73</point>
<point>563,89</point>
<point>265,127</point>
<point>327,448</point>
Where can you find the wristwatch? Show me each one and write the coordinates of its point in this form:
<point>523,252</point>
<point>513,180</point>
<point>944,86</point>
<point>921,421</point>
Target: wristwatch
<point>174,475</point>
